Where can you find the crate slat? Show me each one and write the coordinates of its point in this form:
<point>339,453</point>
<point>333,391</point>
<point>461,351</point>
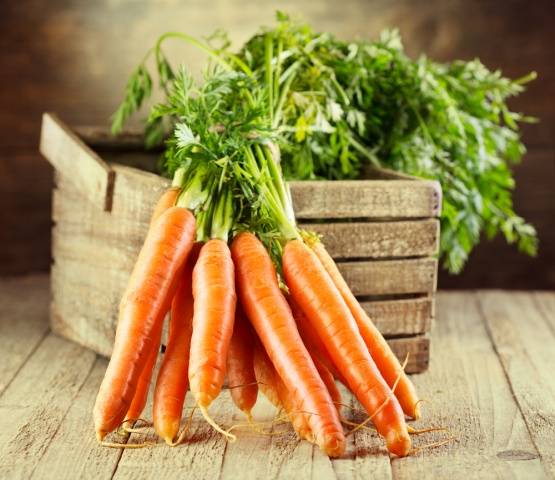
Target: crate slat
<point>313,200</point>
<point>70,155</point>
<point>390,277</point>
<point>364,199</point>
<point>410,316</point>
<point>410,238</point>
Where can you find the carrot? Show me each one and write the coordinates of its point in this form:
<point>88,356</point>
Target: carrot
<point>265,375</point>
<point>172,382</point>
<point>275,390</point>
<point>166,201</point>
<point>269,312</point>
<point>151,289</point>
<point>214,314</point>
<point>312,288</point>
<point>240,369</point>
<point>312,341</point>
<point>381,352</point>
<point>329,382</point>
<point>141,392</point>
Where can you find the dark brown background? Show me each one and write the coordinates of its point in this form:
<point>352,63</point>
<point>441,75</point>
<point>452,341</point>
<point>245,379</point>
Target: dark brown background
<point>73,57</point>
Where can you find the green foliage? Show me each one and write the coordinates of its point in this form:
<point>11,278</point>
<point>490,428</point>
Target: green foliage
<point>334,107</point>
<point>349,103</point>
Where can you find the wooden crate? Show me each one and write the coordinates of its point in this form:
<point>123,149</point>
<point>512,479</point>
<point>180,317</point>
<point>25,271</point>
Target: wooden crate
<point>383,232</point>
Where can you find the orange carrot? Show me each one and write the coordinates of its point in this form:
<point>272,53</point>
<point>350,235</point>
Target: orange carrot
<point>240,369</point>
<point>329,382</point>
<point>265,375</point>
<point>149,294</point>
<point>275,390</point>
<point>381,352</point>
<point>214,314</point>
<point>312,341</point>
<point>172,381</point>
<point>269,312</point>
<point>312,288</point>
<point>166,201</point>
<point>141,392</point>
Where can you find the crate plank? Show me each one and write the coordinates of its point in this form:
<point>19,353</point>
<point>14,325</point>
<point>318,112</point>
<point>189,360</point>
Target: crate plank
<point>402,316</point>
<point>387,277</point>
<point>329,200</point>
<point>366,199</point>
<point>417,348</point>
<point>72,158</point>
<point>411,238</point>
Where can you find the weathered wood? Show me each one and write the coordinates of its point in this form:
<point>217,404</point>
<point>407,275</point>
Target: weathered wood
<point>523,337</point>
<point>468,393</point>
<point>36,402</point>
<point>387,277</point>
<point>202,452</point>
<point>366,199</point>
<point>412,238</point>
<point>392,198</point>
<point>416,349</point>
<point>395,317</point>
<point>72,158</point>
<point>366,454</point>
<point>24,324</point>
<point>74,452</point>
<point>100,137</point>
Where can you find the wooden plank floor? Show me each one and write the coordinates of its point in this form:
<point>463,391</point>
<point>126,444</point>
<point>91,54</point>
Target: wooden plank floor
<point>490,383</point>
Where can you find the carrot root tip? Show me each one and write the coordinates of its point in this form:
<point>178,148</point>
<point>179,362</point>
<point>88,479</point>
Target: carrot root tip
<point>229,436</point>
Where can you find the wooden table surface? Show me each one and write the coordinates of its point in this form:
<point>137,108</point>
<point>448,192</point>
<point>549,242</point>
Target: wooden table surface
<point>491,383</point>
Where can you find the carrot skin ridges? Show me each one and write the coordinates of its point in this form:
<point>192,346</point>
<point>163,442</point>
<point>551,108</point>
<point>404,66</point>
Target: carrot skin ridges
<point>312,341</point>
<point>312,288</point>
<point>329,382</point>
<point>274,389</point>
<point>149,295</point>
<point>265,375</point>
<point>172,382</point>
<point>141,393</point>
<point>381,352</point>
<point>214,315</point>
<point>268,311</point>
<point>240,368</point>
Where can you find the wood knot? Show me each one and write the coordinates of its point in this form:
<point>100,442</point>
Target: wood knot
<point>517,455</point>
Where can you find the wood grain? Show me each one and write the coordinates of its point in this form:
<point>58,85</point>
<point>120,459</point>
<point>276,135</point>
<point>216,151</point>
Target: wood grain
<point>469,394</point>
<point>36,402</point>
<point>408,316</point>
<point>362,199</point>
<point>387,277</point>
<point>24,325</point>
<point>71,157</point>
<point>523,338</point>
<point>413,238</point>
<point>73,451</point>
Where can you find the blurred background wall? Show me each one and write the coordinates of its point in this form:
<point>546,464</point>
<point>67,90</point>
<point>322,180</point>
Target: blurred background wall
<point>73,57</point>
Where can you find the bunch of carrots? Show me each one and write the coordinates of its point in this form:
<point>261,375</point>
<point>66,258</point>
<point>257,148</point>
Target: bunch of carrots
<point>250,296</point>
